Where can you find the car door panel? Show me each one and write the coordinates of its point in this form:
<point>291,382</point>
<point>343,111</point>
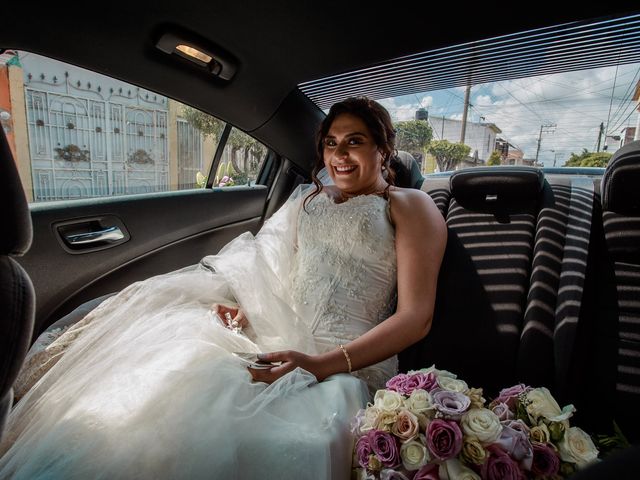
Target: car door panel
<point>165,231</point>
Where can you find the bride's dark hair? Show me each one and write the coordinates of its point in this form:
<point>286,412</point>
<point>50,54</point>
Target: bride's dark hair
<point>377,120</point>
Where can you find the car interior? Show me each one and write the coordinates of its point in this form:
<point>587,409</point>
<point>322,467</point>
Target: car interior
<point>546,260</point>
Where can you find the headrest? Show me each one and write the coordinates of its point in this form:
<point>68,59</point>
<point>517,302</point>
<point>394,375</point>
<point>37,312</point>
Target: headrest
<point>15,217</point>
<point>497,184</point>
<point>621,181</point>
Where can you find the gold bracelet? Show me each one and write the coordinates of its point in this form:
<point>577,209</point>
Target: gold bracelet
<point>346,355</point>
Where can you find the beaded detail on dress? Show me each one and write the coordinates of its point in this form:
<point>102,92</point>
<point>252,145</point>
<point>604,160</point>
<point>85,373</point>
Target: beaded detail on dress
<point>344,274</point>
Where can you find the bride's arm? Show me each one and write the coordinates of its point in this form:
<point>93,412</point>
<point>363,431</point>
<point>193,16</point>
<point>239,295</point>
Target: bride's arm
<point>421,237</point>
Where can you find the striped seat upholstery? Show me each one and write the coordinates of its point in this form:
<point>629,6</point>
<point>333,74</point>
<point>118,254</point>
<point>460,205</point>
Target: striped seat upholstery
<point>549,349</point>
<point>536,364</point>
<point>438,190</point>
<point>484,277</point>
<point>621,220</point>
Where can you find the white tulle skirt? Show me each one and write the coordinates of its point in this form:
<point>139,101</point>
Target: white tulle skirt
<point>150,390</point>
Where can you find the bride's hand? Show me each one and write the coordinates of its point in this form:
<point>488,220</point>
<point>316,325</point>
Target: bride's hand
<point>236,317</point>
<point>290,361</point>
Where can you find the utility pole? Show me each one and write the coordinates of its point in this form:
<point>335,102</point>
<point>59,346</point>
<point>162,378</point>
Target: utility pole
<point>467,92</point>
<point>600,135</point>
<point>550,125</point>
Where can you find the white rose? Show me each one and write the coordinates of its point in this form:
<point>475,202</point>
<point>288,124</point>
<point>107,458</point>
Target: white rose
<point>414,454</point>
<point>419,401</point>
<point>438,373</point>
<point>369,419</point>
<point>388,400</point>
<point>481,423</point>
<point>453,469</point>
<point>577,447</point>
<point>540,403</point>
<point>453,385</point>
<point>386,419</point>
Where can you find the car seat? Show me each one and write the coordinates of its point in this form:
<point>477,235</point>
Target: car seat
<point>17,295</point>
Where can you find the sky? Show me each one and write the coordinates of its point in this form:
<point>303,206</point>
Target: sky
<point>576,103</point>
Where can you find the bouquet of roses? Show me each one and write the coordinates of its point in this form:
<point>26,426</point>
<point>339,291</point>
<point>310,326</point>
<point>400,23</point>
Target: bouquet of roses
<point>429,425</point>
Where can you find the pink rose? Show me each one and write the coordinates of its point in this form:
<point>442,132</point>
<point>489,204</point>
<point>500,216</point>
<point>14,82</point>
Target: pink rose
<point>500,466</point>
<point>517,425</point>
<point>444,439</point>
<point>516,443</point>
<point>420,381</point>
<point>406,426</point>
<point>406,383</point>
<point>363,450</point>
<point>451,404</point>
<point>510,395</point>
<point>503,411</point>
<point>428,472</point>
<point>385,446</point>
<point>545,461</point>
<point>396,383</point>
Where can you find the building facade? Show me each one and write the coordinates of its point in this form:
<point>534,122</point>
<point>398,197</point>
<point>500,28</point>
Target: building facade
<point>481,137</point>
<point>77,134</point>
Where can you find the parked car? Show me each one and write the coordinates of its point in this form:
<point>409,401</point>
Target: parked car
<point>147,135</point>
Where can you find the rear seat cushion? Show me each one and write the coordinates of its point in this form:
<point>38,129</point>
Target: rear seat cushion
<point>536,364</point>
<point>484,277</point>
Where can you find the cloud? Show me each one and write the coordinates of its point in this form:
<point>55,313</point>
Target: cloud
<point>575,103</point>
<point>483,100</point>
<point>404,108</point>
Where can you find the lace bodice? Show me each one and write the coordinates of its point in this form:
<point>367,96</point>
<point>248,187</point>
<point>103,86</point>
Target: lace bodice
<point>344,274</point>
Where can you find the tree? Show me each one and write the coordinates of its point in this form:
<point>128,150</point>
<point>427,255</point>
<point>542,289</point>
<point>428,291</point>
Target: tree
<point>494,158</point>
<point>239,142</point>
<point>448,154</point>
<point>252,151</point>
<point>588,159</point>
<point>413,136</point>
<point>208,125</point>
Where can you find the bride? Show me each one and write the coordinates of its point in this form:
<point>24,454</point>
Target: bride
<point>334,285</point>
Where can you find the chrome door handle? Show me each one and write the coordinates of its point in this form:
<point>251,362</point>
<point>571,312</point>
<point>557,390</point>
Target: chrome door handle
<point>109,235</point>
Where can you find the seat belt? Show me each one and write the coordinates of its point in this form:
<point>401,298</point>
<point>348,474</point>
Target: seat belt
<point>572,279</point>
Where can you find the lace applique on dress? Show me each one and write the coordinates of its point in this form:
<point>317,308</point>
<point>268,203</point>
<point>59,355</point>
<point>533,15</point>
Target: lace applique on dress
<point>45,353</point>
<point>344,275</point>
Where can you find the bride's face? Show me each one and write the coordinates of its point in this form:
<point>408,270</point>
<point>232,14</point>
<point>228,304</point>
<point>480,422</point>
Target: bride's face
<point>351,156</point>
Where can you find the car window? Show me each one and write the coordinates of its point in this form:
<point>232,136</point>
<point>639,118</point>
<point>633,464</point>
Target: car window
<point>571,119</point>
<point>563,95</point>
<point>79,134</point>
<point>241,160</point>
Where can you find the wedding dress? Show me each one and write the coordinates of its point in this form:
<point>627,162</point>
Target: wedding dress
<point>149,389</point>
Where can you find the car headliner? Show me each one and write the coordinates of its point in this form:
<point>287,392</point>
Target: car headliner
<point>277,44</point>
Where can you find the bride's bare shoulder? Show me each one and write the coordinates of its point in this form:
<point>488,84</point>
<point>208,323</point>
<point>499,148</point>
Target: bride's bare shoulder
<point>410,204</point>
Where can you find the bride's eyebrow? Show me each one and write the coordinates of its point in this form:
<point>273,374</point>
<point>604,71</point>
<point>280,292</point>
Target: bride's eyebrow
<point>348,135</point>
